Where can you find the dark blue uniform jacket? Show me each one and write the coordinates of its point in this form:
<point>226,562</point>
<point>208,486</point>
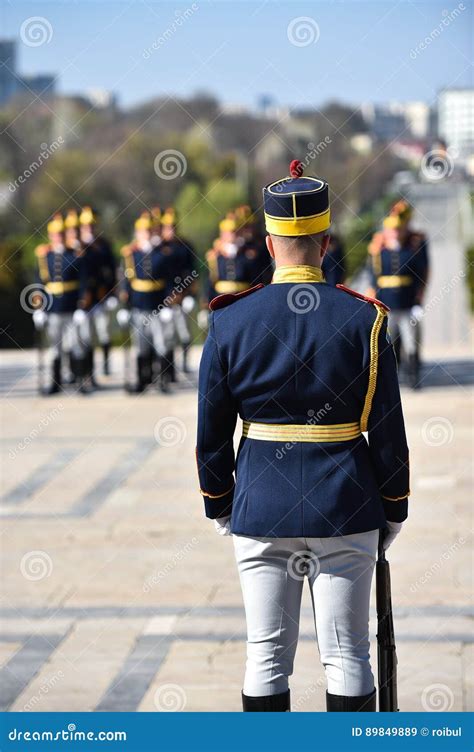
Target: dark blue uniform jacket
<point>311,355</point>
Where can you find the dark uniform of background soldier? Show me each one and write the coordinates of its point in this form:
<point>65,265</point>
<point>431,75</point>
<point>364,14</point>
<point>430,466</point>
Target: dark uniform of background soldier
<point>398,264</point>
<point>334,266</point>
<point>309,368</point>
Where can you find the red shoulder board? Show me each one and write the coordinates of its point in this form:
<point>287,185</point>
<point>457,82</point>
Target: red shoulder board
<point>222,301</point>
<point>363,297</point>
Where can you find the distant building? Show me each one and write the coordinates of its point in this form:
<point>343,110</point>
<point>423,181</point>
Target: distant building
<point>397,120</point>
<point>13,83</point>
<point>456,122</point>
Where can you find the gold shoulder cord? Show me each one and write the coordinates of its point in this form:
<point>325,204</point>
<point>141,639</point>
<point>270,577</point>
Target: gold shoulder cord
<point>374,360</point>
<point>130,266</point>
<point>43,269</point>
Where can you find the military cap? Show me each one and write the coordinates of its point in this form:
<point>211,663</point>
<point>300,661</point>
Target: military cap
<point>228,224</point>
<point>56,224</point>
<point>402,210</point>
<point>143,222</point>
<point>169,217</point>
<point>87,216</point>
<point>72,220</point>
<point>297,205</point>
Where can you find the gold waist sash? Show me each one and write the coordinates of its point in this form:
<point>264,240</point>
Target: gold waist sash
<point>230,285</point>
<point>59,288</point>
<point>148,285</point>
<point>395,280</point>
<point>305,432</point>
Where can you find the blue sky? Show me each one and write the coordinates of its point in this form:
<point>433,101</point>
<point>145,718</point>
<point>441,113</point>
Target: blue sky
<point>362,51</point>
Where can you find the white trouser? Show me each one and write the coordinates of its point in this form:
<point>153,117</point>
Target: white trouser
<point>181,325</point>
<point>147,332</point>
<point>339,571</point>
<point>64,336</point>
<point>102,323</point>
<point>401,324</point>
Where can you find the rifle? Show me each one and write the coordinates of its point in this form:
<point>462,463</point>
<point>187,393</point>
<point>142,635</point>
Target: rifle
<point>386,648</point>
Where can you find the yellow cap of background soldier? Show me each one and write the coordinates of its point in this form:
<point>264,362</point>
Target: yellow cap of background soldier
<point>392,222</point>
<point>56,224</point>
<point>169,217</point>
<point>228,224</point>
<point>87,216</point>
<point>143,222</point>
<point>71,220</point>
<point>403,210</point>
<point>297,205</point>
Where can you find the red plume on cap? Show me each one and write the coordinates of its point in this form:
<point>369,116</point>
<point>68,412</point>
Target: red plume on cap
<point>296,168</point>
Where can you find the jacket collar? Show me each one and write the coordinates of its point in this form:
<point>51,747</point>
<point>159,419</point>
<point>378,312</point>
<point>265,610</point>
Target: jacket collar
<point>300,273</point>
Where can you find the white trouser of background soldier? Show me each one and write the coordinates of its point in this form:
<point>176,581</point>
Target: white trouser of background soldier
<point>407,326</point>
<point>147,332</point>
<point>180,325</point>
<point>65,332</point>
<point>339,571</point>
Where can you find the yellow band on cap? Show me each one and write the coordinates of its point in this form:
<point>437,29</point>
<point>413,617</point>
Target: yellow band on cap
<point>298,225</point>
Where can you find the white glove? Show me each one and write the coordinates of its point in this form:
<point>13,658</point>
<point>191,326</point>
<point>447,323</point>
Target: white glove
<point>111,303</point>
<point>203,319</point>
<point>123,318</point>
<point>416,313</point>
<point>188,304</point>
<point>393,530</point>
<point>79,316</point>
<point>165,315</point>
<point>222,525</point>
<point>39,319</point>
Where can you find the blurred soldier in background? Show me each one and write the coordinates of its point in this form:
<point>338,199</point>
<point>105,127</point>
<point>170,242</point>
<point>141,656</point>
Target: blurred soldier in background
<point>102,274</point>
<point>146,281</point>
<point>334,267</point>
<point>60,305</point>
<point>183,285</point>
<point>398,263</point>
<point>252,245</point>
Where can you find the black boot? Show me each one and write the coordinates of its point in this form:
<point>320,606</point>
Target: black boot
<point>186,368</point>
<point>165,377</point>
<point>414,371</point>
<point>55,378</point>
<point>106,365</point>
<point>342,704</point>
<point>82,371</point>
<point>268,704</point>
<point>170,366</point>
<point>90,367</point>
<point>143,375</point>
<point>71,376</point>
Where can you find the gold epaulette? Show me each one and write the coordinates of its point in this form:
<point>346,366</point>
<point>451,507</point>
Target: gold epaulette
<point>42,249</point>
<point>126,250</point>
<point>376,244</point>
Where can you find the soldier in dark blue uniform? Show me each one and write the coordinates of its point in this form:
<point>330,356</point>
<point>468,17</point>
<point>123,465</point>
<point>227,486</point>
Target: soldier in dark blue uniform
<point>399,272</point>
<point>61,300</point>
<point>309,369</point>
<point>334,266</point>
<point>102,270</point>
<point>183,277</point>
<point>147,284</point>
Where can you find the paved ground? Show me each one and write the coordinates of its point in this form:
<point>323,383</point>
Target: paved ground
<point>117,594</point>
